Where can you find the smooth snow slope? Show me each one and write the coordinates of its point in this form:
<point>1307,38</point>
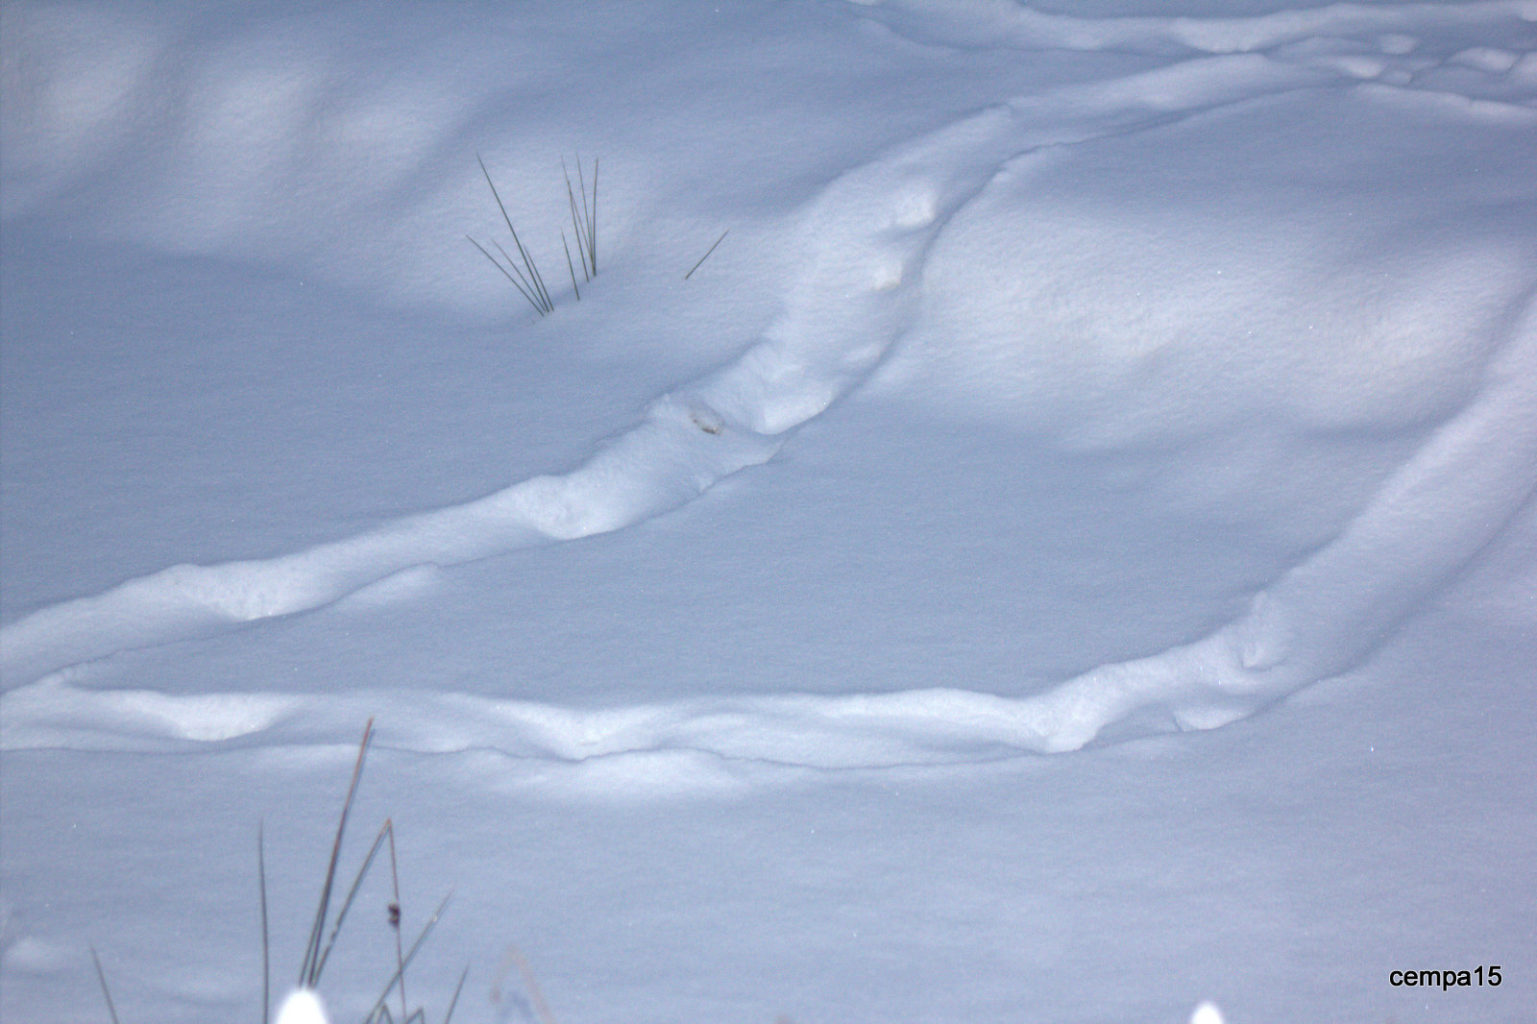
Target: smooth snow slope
<point>1065,377</point>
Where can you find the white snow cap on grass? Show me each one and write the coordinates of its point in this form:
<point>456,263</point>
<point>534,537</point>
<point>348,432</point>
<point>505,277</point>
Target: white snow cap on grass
<point>303,1006</point>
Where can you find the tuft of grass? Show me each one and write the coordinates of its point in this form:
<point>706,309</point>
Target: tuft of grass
<point>523,272</point>
<point>317,953</point>
<point>325,929</point>
<point>525,279</point>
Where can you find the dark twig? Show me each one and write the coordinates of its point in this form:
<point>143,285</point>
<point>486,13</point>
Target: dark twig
<point>706,255</point>
<point>261,881</point>
<point>106,992</point>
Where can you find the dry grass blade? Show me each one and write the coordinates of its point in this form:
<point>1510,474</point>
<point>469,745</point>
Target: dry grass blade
<point>261,877</point>
<point>388,829</point>
<point>449,1016</point>
<point>592,219</point>
<point>537,295</point>
<point>105,991</point>
<point>585,226</point>
<point>570,267</point>
<point>706,255</point>
<point>309,972</point>
<point>394,910</point>
<point>529,283</point>
<point>318,955</point>
<point>576,227</point>
<point>532,301</point>
<point>380,1011</point>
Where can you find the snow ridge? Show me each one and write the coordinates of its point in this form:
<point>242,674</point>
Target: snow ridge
<point>1322,617</point>
<point>866,237</point>
<point>866,233</point>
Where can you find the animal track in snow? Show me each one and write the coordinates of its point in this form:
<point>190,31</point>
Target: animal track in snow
<point>865,240</point>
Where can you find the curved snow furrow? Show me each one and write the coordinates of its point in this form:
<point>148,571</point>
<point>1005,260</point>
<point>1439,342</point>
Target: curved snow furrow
<point>1321,618</point>
<point>1483,49</point>
<point>1025,28</point>
<point>1324,616</point>
<point>669,459</point>
<point>782,732</point>
<point>1433,515</point>
<point>864,237</point>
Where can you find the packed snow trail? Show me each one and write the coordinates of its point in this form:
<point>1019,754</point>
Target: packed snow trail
<point>1318,620</point>
<point>866,237</point>
<point>1444,504</point>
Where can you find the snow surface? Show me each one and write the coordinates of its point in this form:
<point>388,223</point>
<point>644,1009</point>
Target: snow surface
<point>1074,380</point>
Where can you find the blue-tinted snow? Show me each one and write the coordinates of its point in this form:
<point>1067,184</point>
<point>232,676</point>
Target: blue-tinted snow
<point>1070,378</point>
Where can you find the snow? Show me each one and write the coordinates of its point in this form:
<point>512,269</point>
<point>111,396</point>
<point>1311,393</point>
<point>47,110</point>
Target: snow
<point>302,1006</point>
<point>1068,554</point>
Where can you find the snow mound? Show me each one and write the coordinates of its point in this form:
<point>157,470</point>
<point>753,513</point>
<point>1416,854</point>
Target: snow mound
<point>996,267</point>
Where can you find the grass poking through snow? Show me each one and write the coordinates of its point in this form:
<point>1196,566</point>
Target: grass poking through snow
<point>525,279</point>
<point>317,952</point>
<point>706,255</point>
<point>106,993</point>
<point>585,228</point>
<point>523,272</point>
<point>303,1004</point>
